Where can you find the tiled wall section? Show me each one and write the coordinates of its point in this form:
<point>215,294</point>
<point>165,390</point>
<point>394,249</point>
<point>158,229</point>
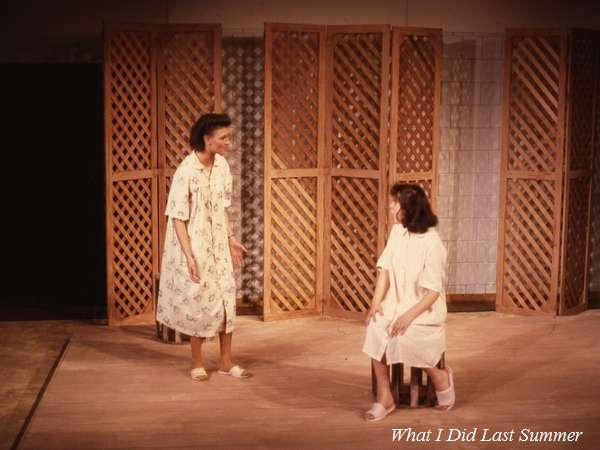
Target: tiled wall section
<point>243,91</point>
<point>469,160</point>
<point>232,84</point>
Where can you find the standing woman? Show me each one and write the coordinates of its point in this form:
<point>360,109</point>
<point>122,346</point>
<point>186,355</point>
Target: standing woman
<point>197,287</point>
<point>406,321</point>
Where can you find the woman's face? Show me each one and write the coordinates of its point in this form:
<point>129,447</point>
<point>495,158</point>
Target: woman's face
<point>219,141</point>
<point>396,212</point>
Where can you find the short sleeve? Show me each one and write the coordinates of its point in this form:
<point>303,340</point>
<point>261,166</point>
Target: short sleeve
<point>385,259</point>
<point>178,203</point>
<point>434,270</point>
<point>228,188</point>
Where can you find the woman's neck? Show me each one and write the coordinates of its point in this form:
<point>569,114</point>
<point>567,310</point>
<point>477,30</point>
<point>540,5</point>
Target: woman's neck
<point>206,158</point>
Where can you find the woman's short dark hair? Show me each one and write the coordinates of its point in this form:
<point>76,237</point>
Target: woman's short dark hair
<point>204,126</point>
<point>418,216</point>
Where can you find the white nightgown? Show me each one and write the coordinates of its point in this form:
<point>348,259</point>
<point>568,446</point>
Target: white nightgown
<point>198,195</point>
<point>415,262</point>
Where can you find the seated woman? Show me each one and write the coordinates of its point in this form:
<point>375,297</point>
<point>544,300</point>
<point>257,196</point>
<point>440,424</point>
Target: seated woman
<point>406,322</point>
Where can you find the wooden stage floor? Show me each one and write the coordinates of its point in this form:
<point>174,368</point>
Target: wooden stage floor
<point>120,388</point>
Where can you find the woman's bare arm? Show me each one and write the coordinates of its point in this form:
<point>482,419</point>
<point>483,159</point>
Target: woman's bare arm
<point>184,240</point>
<point>381,287</point>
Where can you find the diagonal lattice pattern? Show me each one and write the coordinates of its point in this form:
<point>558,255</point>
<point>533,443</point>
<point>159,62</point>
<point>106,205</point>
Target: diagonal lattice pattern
<point>159,81</point>
<point>528,243</point>
<point>575,255</point>
<point>416,104</point>
<point>186,90</point>
<point>132,247</point>
<point>594,261</point>
<point>186,72</point>
<point>356,100</point>
<point>354,225</point>
<point>583,55</point>
<point>294,235</point>
<point>534,104</point>
<point>295,99</point>
<point>130,104</point>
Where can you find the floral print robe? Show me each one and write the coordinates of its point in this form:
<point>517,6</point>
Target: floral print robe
<point>198,195</point>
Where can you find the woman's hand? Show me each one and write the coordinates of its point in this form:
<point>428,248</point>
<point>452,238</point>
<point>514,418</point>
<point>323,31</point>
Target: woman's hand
<point>375,309</point>
<point>400,325</point>
<point>193,269</point>
<point>237,252</point>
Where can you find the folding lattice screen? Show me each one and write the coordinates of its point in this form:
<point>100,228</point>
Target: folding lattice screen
<point>157,79</point>
<point>357,152</point>
<point>327,132</point>
<point>415,115</point>
<point>551,81</point>
<point>294,165</point>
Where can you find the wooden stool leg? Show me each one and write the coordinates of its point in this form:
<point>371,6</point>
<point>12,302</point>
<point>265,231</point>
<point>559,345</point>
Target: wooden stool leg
<point>373,381</point>
<point>396,381</point>
<point>415,382</point>
<point>430,392</point>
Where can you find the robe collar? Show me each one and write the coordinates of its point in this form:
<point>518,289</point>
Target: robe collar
<point>196,164</point>
<point>404,232</point>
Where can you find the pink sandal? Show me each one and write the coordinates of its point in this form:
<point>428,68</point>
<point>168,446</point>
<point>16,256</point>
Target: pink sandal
<point>378,412</point>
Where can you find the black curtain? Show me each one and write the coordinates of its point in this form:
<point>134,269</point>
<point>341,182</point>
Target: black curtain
<point>52,187</point>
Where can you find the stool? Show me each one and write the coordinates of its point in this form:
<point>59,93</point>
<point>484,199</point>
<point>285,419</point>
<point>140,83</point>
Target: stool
<point>416,393</point>
<point>163,332</point>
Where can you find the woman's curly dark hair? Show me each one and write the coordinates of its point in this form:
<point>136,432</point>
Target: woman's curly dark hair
<point>204,126</point>
<point>418,216</point>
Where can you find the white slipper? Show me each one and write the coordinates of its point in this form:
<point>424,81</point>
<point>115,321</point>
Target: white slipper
<point>236,372</point>
<point>446,397</point>
<point>378,412</point>
<point>198,374</point>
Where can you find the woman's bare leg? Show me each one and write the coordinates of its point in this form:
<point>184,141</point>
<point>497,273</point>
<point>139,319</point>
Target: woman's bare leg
<point>439,377</point>
<point>196,344</point>
<point>382,373</point>
<point>225,345</point>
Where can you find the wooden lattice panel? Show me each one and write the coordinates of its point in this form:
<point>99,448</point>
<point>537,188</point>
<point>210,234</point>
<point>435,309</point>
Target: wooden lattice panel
<point>535,69</point>
<point>528,245</point>
<point>415,115</point>
<point>295,99</point>
<point>158,79</point>
<point>356,80</point>
<point>293,271</point>
<point>582,82</point>
<point>354,233</point>
<point>189,85</point>
<point>294,179</point>
<point>546,175</point>
<point>129,70</point>
<point>187,80</point>
<point>594,260</point>
<point>358,144</point>
<point>130,151</point>
<point>416,104</point>
<point>132,244</point>
<point>575,266</point>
